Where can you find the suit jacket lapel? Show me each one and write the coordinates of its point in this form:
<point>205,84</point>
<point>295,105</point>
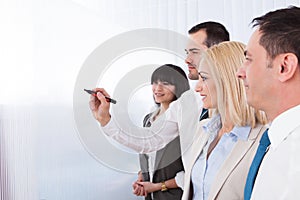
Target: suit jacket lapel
<point>191,156</point>
<point>167,155</point>
<point>199,145</point>
<point>238,152</point>
<point>200,141</point>
<point>158,157</point>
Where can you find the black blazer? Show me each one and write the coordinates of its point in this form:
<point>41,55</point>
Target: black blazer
<point>167,163</point>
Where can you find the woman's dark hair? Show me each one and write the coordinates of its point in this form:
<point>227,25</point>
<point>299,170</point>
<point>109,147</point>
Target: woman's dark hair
<point>173,75</point>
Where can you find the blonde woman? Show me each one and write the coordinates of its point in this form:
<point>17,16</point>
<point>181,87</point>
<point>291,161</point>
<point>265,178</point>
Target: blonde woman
<point>220,157</point>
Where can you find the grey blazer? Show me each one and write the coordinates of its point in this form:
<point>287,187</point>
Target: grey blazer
<point>167,163</point>
<point>231,178</point>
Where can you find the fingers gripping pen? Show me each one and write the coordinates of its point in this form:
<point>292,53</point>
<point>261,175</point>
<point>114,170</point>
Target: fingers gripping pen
<point>107,98</point>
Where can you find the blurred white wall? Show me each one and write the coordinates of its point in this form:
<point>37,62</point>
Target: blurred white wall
<point>43,45</point>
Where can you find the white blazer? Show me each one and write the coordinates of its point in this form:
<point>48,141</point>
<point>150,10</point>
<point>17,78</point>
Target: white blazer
<point>231,178</point>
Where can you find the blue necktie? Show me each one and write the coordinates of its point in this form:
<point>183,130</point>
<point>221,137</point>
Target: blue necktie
<point>260,153</point>
<point>204,114</point>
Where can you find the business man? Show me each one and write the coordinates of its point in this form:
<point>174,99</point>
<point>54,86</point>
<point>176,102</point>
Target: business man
<point>271,75</point>
<point>203,36</point>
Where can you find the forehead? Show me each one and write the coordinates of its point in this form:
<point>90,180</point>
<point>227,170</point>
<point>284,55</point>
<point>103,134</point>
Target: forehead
<point>199,37</point>
<point>191,44</point>
<point>204,67</point>
<point>196,40</point>
<point>253,45</point>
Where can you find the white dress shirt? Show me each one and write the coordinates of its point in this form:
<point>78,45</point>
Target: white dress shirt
<point>279,173</point>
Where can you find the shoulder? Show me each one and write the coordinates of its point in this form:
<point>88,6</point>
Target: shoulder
<point>257,131</point>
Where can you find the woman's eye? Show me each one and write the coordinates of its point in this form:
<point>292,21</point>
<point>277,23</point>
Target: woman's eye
<point>165,83</point>
<point>203,78</point>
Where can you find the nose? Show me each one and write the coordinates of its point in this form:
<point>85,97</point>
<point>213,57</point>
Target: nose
<point>157,86</point>
<point>199,85</point>
<point>188,59</point>
<point>241,73</point>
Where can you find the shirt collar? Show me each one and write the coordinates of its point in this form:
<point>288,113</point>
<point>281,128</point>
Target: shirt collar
<point>241,132</point>
<point>213,126</point>
<point>283,125</point>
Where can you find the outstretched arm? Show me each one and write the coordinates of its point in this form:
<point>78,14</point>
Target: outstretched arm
<point>181,118</point>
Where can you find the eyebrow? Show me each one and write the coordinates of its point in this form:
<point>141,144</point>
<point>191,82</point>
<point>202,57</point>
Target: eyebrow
<point>201,72</point>
<point>193,49</point>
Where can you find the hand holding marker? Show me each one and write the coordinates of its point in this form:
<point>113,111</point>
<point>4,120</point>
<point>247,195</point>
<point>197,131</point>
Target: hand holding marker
<point>95,93</point>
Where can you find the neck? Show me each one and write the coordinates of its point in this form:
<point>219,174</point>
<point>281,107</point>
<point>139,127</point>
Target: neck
<point>227,126</point>
<point>164,107</point>
<point>285,99</point>
<point>272,114</point>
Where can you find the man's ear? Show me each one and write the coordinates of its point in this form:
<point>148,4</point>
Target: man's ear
<point>289,65</point>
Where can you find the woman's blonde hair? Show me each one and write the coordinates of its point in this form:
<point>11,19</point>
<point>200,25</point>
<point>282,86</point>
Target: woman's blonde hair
<point>223,61</point>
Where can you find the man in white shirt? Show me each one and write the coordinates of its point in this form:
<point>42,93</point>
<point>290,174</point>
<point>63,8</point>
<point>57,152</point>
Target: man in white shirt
<point>202,36</point>
<point>271,75</point>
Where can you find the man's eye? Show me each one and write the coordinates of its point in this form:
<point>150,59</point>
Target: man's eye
<point>247,58</point>
<point>165,83</point>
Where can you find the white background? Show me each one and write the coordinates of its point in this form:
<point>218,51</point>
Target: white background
<point>43,44</point>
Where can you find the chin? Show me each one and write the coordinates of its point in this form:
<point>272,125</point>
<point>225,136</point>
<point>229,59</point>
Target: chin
<point>193,76</point>
<point>206,106</point>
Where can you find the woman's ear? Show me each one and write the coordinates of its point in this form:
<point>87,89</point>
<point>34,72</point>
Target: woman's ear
<point>289,65</point>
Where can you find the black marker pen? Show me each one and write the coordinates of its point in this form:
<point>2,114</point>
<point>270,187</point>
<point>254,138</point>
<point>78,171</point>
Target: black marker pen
<point>107,98</point>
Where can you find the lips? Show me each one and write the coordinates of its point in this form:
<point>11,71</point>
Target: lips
<point>159,94</point>
<point>191,67</point>
<point>203,96</point>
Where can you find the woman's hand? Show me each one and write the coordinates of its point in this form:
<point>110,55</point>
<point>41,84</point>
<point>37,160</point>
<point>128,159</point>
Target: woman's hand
<point>150,187</point>
<point>138,189</point>
<point>99,106</point>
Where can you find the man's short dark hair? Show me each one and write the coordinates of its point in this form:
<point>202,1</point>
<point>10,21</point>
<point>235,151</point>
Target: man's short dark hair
<point>216,32</point>
<point>280,31</point>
